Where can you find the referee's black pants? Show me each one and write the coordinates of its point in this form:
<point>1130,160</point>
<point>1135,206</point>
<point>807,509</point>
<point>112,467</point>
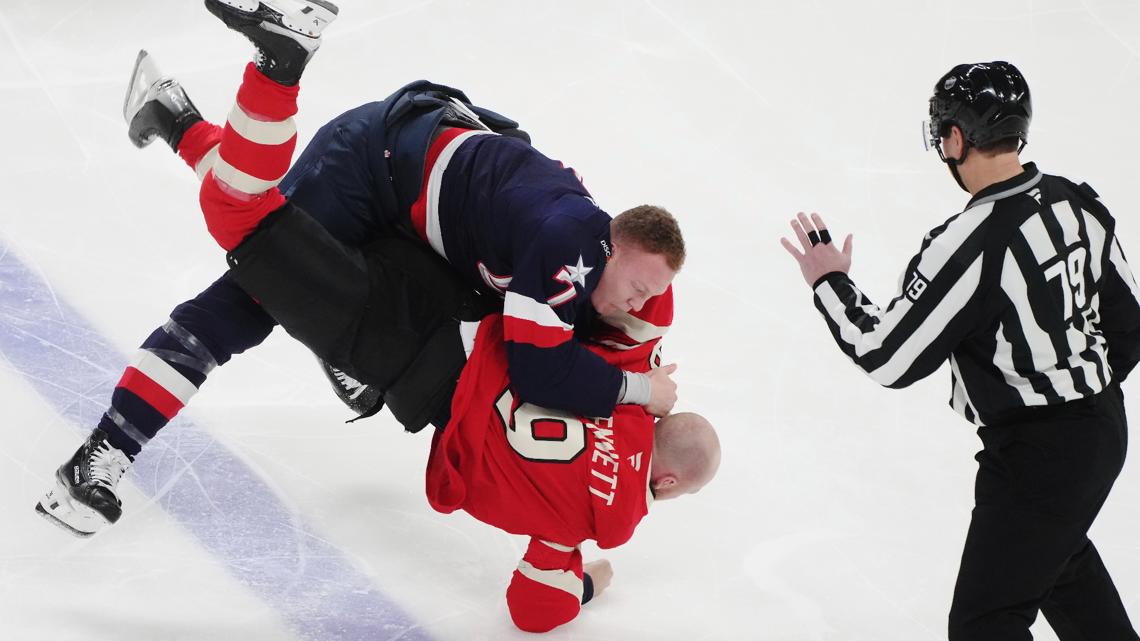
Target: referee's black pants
<point>1041,482</point>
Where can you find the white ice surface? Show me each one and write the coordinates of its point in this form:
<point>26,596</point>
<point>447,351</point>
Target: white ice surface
<point>841,507</point>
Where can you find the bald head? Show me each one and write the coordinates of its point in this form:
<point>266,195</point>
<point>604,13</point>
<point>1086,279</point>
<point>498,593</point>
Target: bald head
<point>686,455</point>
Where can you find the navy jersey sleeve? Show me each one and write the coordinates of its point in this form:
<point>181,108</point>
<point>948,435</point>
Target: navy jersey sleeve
<point>553,279</point>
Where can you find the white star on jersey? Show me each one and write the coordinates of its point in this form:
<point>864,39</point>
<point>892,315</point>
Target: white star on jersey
<point>571,275</point>
<point>577,273</point>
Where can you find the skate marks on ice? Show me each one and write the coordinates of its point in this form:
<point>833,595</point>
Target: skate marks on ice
<point>805,598</point>
<point>203,487</point>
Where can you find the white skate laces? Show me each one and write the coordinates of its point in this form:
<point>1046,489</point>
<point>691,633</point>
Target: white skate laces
<point>107,465</point>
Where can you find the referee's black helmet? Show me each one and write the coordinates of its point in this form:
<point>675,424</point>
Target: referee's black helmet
<point>988,101</point>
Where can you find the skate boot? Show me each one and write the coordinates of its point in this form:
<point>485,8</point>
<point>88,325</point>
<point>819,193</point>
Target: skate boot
<point>362,398</point>
<point>286,32</point>
<point>156,107</point>
<point>84,500</point>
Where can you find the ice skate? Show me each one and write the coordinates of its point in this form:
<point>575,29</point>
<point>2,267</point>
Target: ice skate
<point>359,397</point>
<point>156,106</point>
<point>285,32</point>
<point>84,499</point>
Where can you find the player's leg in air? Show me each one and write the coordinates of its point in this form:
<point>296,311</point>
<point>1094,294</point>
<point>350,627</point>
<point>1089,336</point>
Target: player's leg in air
<point>240,166</point>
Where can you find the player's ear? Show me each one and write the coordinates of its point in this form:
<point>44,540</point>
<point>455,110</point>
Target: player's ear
<point>664,482</point>
<point>957,140</point>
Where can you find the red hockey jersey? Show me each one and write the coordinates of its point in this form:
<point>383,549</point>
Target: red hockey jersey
<point>558,478</point>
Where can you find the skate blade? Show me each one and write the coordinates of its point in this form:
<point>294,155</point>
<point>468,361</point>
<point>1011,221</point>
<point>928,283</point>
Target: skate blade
<point>144,75</point>
<point>58,507</point>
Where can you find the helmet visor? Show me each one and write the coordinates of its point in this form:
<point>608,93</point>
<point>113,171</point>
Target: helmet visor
<point>932,138</point>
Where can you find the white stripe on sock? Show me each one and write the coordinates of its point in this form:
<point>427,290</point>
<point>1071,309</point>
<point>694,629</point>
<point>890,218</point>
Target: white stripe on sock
<point>166,376</point>
<point>241,181</point>
<point>261,132</point>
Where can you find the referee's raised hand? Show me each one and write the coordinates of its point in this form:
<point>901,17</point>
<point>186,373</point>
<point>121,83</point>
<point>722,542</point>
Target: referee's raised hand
<point>819,256</point>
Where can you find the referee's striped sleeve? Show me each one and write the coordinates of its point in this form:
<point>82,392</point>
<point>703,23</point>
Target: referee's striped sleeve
<point>1120,313</point>
<point>940,299</point>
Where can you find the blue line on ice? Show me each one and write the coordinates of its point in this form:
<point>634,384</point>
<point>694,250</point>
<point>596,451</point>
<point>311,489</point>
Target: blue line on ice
<point>201,485</point>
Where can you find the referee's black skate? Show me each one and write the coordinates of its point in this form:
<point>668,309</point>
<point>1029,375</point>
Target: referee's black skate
<point>84,499</point>
<point>156,106</point>
<point>286,32</point>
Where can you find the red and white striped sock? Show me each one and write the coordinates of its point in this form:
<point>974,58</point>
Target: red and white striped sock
<point>157,383</point>
<point>199,147</point>
<point>254,154</point>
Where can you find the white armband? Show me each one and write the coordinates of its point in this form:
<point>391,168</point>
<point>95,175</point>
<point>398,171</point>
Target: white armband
<point>635,389</point>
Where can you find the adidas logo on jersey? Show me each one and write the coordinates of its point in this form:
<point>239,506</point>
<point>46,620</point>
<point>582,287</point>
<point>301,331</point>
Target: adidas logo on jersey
<point>635,461</point>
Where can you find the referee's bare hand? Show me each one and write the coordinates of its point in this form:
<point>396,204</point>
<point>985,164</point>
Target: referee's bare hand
<point>819,256</point>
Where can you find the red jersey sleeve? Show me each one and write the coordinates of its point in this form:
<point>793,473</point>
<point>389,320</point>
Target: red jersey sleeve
<point>546,588</point>
<point>628,330</point>
<point>632,340</point>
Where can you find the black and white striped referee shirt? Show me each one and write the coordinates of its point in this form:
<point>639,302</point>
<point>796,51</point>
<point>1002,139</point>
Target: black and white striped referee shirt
<point>1027,292</point>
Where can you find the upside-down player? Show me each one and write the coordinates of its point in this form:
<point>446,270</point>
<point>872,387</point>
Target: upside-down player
<point>559,478</point>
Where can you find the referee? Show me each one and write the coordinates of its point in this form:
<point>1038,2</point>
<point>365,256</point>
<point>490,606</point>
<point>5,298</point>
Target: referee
<point>1028,294</point>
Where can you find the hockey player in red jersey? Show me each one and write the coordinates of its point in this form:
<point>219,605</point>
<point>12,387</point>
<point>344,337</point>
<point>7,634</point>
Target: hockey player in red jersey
<point>559,478</point>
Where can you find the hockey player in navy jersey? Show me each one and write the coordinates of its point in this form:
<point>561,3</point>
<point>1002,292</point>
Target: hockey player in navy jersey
<point>424,164</point>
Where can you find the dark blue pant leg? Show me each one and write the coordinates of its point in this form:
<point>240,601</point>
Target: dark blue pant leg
<point>174,361</point>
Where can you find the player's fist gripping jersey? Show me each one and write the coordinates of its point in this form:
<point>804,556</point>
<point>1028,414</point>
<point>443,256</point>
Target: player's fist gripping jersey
<point>558,478</point>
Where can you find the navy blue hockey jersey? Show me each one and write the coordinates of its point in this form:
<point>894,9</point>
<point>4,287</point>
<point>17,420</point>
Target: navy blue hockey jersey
<point>509,219</point>
<point>517,223</point>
